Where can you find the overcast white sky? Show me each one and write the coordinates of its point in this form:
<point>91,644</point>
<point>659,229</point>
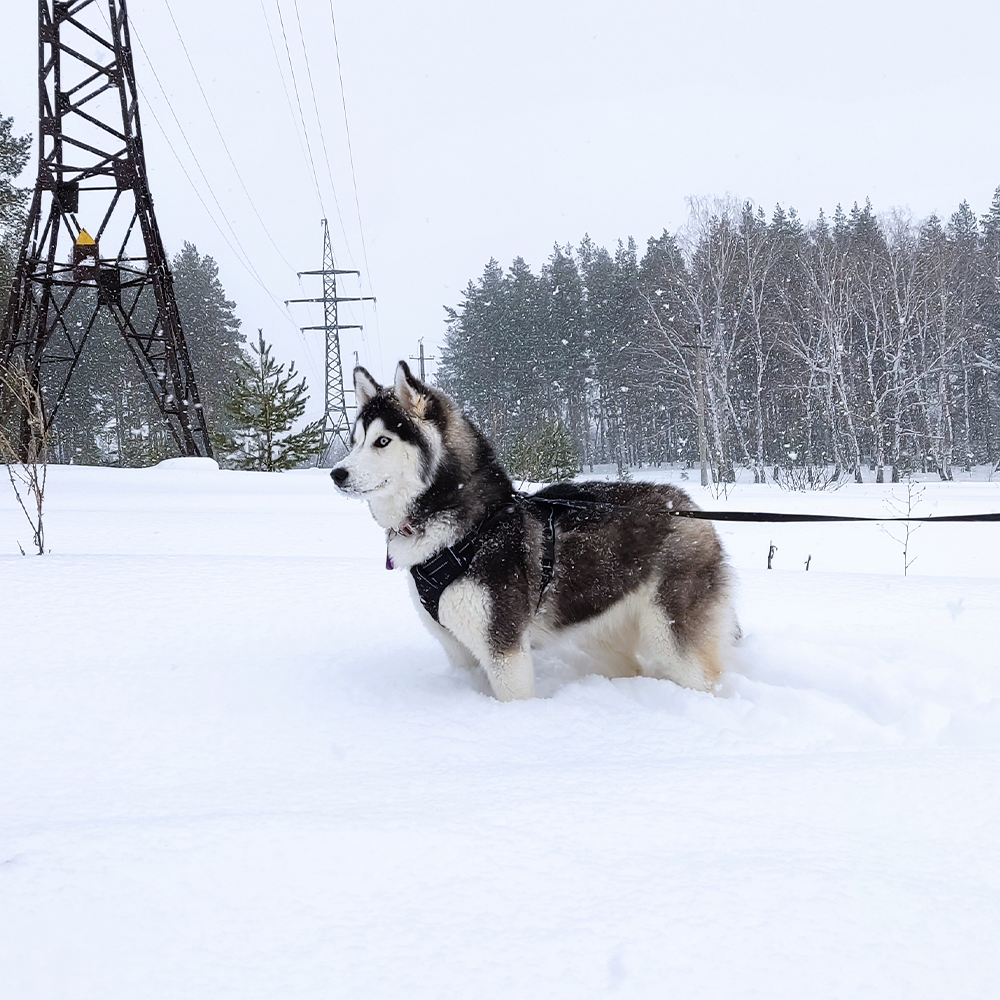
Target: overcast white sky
<point>484,130</point>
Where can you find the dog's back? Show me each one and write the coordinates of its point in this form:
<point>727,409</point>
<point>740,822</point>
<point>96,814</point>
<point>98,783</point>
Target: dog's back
<point>638,579</point>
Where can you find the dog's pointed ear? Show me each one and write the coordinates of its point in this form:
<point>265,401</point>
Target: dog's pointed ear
<point>412,394</point>
<point>365,386</point>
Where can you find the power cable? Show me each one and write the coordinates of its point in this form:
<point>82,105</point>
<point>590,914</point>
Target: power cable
<point>298,101</point>
<point>197,193</point>
<point>319,123</point>
<point>284,308</point>
<point>306,157</point>
<point>247,262</point>
<point>354,181</point>
<point>288,97</point>
<point>222,138</point>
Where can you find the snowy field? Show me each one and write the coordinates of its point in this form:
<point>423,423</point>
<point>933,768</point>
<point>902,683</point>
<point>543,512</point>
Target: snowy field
<point>232,765</point>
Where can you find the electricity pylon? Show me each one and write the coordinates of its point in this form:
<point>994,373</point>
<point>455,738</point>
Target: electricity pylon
<point>336,423</point>
<point>92,241</point>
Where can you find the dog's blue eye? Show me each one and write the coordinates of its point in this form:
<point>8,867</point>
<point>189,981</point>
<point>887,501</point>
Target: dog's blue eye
<point>382,441</point>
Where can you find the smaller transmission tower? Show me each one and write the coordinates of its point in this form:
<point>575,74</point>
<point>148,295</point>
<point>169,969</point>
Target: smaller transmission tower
<point>336,424</point>
<point>423,359</point>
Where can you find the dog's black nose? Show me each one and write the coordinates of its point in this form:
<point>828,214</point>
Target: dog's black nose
<point>340,475</point>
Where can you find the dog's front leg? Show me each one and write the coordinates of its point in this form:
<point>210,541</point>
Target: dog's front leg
<point>465,611</point>
<point>512,673</point>
<point>459,656</point>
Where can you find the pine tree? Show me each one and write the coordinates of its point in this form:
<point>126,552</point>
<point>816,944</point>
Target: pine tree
<point>476,357</point>
<point>524,344</point>
<point>13,199</point>
<point>212,333</point>
<point>547,454</point>
<point>264,405</point>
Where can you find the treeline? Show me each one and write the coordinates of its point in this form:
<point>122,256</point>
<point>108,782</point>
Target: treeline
<point>14,152</point>
<point>812,350</point>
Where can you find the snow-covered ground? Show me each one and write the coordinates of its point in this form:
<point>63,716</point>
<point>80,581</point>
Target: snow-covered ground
<point>233,765</point>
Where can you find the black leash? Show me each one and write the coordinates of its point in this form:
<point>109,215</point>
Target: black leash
<point>433,575</point>
<point>749,515</point>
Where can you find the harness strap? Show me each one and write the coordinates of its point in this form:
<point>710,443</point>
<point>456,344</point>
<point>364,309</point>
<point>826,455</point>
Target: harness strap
<point>433,575</point>
<point>548,520</point>
<point>548,554</point>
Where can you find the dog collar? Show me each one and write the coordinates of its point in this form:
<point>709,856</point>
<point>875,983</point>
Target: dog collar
<point>406,530</point>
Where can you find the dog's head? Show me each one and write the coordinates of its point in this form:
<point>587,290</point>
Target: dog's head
<point>396,443</point>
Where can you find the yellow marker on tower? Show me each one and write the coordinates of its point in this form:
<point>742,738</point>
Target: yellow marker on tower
<point>85,255</point>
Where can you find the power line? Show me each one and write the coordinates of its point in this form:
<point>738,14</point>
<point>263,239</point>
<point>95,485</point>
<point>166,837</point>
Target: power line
<point>347,130</point>
<point>225,146</point>
<point>298,101</point>
<point>284,87</point>
<point>241,255</point>
<point>247,263</point>
<point>282,308</point>
<point>319,123</point>
<point>354,179</point>
<point>197,193</point>
<point>303,148</point>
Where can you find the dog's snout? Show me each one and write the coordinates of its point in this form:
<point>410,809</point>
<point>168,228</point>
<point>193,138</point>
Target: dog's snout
<point>340,475</point>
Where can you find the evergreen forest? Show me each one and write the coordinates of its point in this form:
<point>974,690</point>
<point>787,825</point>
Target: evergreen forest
<point>811,350</point>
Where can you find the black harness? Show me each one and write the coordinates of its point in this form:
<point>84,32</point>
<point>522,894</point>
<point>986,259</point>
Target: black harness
<point>444,567</point>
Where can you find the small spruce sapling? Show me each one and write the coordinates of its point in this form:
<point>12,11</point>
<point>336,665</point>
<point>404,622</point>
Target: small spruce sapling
<point>545,455</point>
<point>264,405</point>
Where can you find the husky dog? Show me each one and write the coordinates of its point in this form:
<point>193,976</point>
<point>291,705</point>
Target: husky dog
<point>495,573</point>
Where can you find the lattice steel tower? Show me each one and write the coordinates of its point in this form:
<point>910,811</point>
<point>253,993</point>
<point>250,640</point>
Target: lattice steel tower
<point>336,423</point>
<point>92,241</point>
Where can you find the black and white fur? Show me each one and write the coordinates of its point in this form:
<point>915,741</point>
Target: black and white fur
<point>645,591</point>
